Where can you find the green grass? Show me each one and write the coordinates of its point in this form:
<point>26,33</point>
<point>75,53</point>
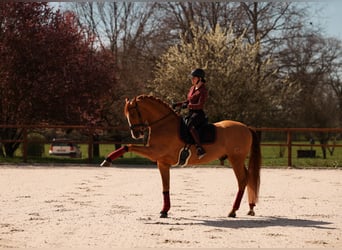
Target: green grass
<point>270,158</point>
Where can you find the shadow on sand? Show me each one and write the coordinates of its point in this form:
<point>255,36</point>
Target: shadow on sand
<point>255,222</point>
<point>267,222</point>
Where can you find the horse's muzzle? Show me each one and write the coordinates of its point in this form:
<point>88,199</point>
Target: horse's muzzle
<point>138,131</point>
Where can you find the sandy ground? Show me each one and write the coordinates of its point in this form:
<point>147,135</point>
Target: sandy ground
<point>119,207</point>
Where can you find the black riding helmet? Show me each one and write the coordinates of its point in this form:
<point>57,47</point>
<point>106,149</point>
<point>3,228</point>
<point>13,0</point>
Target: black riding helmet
<point>198,72</point>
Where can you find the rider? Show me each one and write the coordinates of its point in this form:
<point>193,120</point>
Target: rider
<point>196,98</point>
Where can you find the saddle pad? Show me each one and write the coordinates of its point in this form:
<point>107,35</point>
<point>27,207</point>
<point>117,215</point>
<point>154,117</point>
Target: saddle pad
<point>206,132</point>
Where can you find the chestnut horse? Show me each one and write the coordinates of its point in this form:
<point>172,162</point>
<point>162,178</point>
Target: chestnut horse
<point>150,118</point>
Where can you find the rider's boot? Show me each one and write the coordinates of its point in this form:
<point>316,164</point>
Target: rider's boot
<point>200,150</point>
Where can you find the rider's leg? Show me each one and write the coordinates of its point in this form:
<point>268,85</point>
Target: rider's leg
<point>199,148</point>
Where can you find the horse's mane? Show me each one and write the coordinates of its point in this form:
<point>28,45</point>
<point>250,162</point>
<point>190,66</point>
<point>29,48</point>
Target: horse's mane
<point>155,99</point>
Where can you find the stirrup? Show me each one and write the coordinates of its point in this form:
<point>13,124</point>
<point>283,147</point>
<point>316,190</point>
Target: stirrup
<point>200,152</point>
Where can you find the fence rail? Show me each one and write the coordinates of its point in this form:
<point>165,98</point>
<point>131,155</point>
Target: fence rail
<point>289,142</point>
<point>90,131</point>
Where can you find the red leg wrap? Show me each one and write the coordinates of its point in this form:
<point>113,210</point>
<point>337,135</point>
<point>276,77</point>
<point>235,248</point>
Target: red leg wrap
<point>167,203</point>
<point>238,199</point>
<point>117,153</point>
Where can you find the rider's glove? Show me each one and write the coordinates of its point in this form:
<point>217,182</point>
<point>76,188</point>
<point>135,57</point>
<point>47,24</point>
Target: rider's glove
<point>184,105</point>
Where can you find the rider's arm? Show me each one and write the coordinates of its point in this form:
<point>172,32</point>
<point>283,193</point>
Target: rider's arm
<point>178,104</point>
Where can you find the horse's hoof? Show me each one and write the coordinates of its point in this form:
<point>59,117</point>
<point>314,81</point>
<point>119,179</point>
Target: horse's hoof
<point>163,214</point>
<point>251,213</point>
<point>232,215</point>
<point>105,163</point>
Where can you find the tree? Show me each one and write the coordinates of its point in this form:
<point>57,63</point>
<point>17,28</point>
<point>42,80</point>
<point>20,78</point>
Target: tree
<point>48,70</point>
<point>131,32</point>
<point>237,89</point>
<point>313,63</point>
<point>179,17</point>
<point>311,60</point>
<point>266,26</point>
<point>333,48</point>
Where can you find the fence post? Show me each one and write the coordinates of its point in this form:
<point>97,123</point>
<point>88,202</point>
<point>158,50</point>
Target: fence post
<point>289,148</point>
<point>90,146</point>
<point>25,145</point>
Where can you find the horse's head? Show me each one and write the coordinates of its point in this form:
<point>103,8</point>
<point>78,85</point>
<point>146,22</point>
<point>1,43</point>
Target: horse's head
<point>135,120</point>
<point>144,111</point>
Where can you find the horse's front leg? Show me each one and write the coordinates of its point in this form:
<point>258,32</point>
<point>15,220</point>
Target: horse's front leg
<point>164,170</point>
<point>149,152</point>
<point>145,151</point>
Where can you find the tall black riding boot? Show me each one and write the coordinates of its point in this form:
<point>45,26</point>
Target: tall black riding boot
<point>199,148</point>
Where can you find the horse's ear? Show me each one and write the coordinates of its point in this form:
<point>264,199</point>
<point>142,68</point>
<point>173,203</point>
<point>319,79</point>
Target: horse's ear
<point>127,99</point>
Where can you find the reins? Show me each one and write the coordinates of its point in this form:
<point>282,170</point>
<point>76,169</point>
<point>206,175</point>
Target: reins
<point>146,125</point>
<point>162,118</point>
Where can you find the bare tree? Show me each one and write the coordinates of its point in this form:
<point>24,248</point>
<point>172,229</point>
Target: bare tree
<point>179,17</point>
<point>130,31</point>
<point>333,55</point>
<point>312,61</point>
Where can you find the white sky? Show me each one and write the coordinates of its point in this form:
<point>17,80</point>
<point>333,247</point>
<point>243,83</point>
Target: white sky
<point>330,17</point>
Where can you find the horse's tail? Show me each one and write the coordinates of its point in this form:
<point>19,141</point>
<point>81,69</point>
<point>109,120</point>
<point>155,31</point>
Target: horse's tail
<point>254,165</point>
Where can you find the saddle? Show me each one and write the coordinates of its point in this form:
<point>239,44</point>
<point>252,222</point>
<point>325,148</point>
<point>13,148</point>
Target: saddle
<point>207,135</point>
<point>206,132</point>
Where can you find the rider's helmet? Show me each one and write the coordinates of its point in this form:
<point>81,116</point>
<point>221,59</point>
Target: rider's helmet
<point>198,72</point>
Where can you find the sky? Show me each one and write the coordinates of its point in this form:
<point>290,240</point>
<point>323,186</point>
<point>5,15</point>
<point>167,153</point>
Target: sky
<point>331,17</point>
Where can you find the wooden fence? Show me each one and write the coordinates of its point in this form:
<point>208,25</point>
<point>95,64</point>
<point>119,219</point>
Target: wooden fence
<point>89,132</point>
<point>289,138</point>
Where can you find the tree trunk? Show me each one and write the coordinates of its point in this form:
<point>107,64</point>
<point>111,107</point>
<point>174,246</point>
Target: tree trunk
<point>96,146</point>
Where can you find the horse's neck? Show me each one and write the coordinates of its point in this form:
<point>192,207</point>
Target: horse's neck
<point>158,111</point>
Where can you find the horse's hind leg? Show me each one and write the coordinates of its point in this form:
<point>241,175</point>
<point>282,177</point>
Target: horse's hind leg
<point>251,209</point>
<point>164,170</point>
<point>241,176</point>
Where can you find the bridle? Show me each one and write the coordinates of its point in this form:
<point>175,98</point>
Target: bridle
<point>143,126</point>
